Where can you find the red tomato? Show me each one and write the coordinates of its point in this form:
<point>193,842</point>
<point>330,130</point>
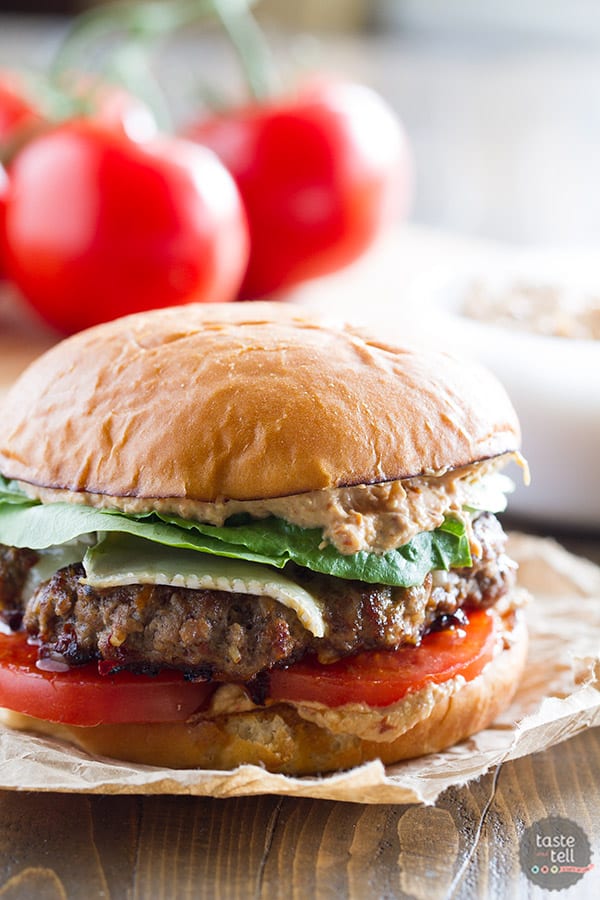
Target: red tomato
<point>379,678</point>
<point>320,173</point>
<point>111,105</point>
<point>82,696</point>
<point>98,226</point>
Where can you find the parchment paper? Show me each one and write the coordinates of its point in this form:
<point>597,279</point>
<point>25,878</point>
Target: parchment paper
<point>559,697</point>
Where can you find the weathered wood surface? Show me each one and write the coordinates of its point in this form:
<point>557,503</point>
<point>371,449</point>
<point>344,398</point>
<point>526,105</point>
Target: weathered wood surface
<point>466,846</point>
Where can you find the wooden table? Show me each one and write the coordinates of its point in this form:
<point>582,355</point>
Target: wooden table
<point>467,845</point>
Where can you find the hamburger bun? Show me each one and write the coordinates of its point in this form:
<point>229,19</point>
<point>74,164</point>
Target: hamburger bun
<point>245,403</point>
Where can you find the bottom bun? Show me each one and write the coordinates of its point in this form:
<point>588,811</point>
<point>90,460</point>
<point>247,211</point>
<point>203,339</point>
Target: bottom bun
<point>280,739</point>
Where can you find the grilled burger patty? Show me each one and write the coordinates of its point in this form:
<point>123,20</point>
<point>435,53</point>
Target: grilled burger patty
<point>234,637</point>
<point>15,564</point>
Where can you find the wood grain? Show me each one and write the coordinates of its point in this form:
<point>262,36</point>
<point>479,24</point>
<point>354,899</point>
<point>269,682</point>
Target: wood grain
<point>159,848</point>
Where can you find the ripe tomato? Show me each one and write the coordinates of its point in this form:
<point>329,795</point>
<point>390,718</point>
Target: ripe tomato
<point>97,226</point>
<point>110,105</point>
<point>320,173</point>
<point>82,696</point>
<point>379,678</point>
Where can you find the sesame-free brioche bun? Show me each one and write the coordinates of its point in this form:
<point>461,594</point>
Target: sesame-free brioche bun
<point>243,401</point>
<point>279,738</point>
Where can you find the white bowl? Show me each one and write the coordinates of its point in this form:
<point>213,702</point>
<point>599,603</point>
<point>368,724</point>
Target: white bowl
<point>554,383</point>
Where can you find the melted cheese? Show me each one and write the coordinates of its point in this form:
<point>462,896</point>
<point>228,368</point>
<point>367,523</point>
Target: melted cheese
<point>125,560</point>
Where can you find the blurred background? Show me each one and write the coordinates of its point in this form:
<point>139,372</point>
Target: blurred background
<point>501,100</point>
<point>501,104</point>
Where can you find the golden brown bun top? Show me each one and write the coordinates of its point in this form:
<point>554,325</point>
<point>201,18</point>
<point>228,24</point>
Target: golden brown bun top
<point>243,401</point>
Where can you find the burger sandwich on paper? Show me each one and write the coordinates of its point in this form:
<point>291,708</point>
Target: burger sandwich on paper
<point>239,534</point>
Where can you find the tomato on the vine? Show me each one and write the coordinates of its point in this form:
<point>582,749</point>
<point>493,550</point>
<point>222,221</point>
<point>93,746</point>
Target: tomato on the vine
<point>3,193</point>
<point>98,226</point>
<point>109,104</point>
<point>18,111</point>
<point>320,172</point>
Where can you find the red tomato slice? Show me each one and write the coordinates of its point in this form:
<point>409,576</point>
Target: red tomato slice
<point>379,678</point>
<point>82,696</point>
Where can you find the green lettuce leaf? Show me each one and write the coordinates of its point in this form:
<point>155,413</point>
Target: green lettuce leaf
<point>279,540</point>
<point>269,541</point>
<point>40,526</point>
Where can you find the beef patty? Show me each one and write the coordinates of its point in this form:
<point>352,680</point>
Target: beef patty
<point>234,637</point>
<point>15,564</point>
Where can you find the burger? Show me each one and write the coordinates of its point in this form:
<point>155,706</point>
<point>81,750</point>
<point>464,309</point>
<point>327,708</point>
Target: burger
<point>241,534</point>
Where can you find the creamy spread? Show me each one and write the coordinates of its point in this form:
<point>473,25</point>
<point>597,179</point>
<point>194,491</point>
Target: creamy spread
<point>370,723</point>
<point>376,723</point>
<point>371,517</point>
<point>547,309</point>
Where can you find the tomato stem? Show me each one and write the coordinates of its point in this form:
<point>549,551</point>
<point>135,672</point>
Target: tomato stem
<point>249,43</point>
<point>122,33</point>
<point>120,30</point>
<point>143,22</point>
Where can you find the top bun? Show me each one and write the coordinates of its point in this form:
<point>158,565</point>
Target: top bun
<point>243,401</point>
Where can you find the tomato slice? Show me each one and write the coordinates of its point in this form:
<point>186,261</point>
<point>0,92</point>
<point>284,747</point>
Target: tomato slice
<point>381,677</point>
<point>82,696</point>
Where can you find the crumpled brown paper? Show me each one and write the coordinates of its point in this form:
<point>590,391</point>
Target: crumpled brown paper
<point>559,697</point>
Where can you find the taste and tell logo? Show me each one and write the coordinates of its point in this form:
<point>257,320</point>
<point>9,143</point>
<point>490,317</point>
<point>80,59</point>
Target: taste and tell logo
<point>555,853</point>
